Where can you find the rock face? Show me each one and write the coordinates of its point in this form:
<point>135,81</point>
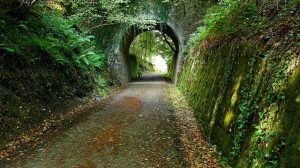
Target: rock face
<point>183,19</point>
<point>245,89</point>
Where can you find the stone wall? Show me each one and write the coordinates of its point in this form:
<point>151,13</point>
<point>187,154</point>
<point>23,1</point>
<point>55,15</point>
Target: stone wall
<point>183,19</point>
<point>245,91</point>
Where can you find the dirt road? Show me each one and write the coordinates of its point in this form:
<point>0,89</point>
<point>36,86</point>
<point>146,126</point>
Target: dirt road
<point>136,129</point>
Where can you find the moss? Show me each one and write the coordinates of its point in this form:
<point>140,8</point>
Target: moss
<point>247,93</point>
<point>240,87</point>
<point>290,155</point>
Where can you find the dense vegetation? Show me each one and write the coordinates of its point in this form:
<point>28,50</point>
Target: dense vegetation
<point>241,76</point>
<point>145,47</point>
<point>46,60</point>
<point>49,57</point>
<point>240,69</point>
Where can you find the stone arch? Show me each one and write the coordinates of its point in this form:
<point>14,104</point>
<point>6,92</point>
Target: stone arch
<point>129,37</point>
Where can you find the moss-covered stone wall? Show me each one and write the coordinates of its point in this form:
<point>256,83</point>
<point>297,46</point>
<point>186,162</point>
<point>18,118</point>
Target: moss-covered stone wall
<point>245,91</point>
<point>189,14</point>
<point>183,18</point>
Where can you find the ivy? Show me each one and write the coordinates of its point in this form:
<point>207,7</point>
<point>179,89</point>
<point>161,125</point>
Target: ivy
<point>258,50</point>
<point>246,109</point>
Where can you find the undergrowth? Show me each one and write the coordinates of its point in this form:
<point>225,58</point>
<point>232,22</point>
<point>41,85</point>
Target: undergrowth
<point>232,17</point>
<point>47,62</point>
<point>57,36</point>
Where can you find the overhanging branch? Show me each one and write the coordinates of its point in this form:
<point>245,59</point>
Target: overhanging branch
<point>166,39</point>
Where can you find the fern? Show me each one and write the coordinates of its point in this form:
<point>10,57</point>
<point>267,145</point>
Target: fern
<point>226,18</point>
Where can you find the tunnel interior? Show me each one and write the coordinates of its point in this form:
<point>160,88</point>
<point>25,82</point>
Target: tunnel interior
<point>166,32</point>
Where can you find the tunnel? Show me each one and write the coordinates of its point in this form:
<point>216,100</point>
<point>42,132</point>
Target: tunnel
<point>133,32</point>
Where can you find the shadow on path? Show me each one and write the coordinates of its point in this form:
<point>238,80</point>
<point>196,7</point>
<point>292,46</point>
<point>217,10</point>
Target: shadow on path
<point>151,77</point>
<point>137,128</point>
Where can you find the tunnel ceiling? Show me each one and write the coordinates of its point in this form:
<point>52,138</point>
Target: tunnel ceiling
<point>134,31</point>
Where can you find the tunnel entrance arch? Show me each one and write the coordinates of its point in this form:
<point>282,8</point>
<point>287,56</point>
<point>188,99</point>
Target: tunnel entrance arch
<point>133,32</point>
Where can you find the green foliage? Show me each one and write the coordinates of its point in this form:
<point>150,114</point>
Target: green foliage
<point>57,37</point>
<point>236,78</point>
<point>98,13</point>
<point>139,66</point>
<point>146,46</point>
<point>226,18</point>
<point>46,62</point>
<point>104,83</point>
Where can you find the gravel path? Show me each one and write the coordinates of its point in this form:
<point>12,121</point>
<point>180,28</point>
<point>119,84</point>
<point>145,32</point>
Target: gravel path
<point>136,129</point>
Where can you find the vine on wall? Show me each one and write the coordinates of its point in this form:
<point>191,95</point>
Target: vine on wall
<point>237,78</point>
